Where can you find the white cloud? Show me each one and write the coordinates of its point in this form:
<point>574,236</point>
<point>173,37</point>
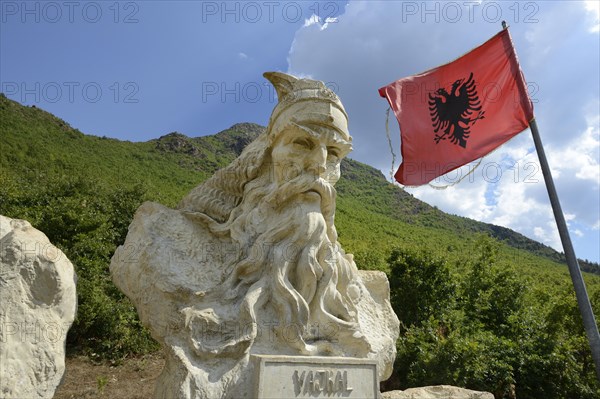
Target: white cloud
<point>548,235</point>
<point>467,198</point>
<point>242,56</point>
<point>315,20</point>
<point>539,233</point>
<point>579,159</point>
<point>593,8</point>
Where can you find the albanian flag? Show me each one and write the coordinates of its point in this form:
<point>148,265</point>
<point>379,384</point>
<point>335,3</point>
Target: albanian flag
<point>459,112</point>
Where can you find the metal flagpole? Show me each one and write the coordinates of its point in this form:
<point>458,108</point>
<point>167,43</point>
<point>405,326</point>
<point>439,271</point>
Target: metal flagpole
<point>589,321</point>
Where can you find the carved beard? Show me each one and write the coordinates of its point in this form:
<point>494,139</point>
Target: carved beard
<point>294,266</point>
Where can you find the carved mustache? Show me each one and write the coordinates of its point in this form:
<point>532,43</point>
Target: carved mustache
<point>303,184</point>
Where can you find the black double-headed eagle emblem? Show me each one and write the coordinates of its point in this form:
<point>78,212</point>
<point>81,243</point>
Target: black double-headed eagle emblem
<point>451,111</point>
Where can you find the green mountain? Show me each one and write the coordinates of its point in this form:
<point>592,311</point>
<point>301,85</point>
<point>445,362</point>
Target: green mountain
<point>497,311</point>
<point>34,140</point>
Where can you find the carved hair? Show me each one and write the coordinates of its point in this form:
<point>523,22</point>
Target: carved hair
<point>221,193</point>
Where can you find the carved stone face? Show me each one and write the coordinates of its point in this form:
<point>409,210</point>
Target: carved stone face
<point>313,151</point>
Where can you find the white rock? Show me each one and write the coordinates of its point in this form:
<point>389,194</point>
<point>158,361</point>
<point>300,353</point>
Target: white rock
<point>250,263</point>
<point>437,392</point>
<point>37,307</point>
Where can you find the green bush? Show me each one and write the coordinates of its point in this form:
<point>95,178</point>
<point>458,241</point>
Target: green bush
<point>490,293</point>
<point>421,286</point>
<point>87,221</point>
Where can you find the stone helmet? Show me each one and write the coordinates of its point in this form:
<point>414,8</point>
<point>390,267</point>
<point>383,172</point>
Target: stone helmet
<point>305,102</point>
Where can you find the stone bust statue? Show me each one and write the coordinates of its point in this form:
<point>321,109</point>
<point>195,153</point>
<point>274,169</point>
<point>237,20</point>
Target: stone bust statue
<point>250,262</point>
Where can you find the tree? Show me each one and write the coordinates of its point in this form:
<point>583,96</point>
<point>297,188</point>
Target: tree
<point>421,286</point>
<point>490,294</point>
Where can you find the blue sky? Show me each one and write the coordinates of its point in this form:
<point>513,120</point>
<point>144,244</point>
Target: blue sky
<point>136,70</point>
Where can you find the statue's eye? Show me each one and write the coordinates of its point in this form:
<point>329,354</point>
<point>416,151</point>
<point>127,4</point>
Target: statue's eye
<point>333,151</point>
<point>304,143</point>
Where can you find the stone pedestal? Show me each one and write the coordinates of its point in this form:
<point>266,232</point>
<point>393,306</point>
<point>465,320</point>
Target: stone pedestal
<point>283,377</point>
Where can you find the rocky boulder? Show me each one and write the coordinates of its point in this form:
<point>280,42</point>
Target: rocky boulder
<point>37,307</point>
<point>437,392</point>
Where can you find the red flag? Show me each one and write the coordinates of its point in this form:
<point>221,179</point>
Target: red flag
<point>458,112</point>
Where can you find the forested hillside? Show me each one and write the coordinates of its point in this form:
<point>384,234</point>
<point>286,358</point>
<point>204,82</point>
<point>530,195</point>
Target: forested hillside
<point>481,306</point>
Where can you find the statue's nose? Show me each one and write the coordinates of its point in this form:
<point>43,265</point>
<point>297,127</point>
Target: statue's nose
<point>317,163</point>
